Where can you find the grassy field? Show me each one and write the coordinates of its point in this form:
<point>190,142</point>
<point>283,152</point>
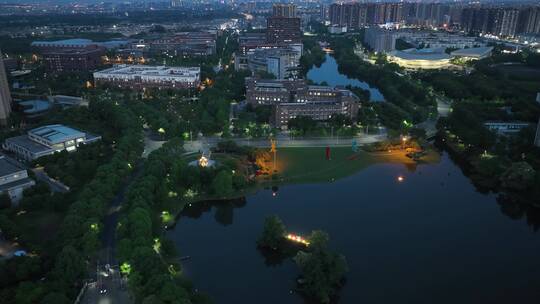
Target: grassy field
<point>309,165</point>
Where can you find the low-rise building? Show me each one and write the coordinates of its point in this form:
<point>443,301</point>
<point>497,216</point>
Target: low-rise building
<point>186,43</point>
<point>76,43</point>
<point>13,179</point>
<point>47,140</point>
<point>317,110</point>
<point>293,98</point>
<point>472,53</point>
<point>146,76</point>
<point>281,62</point>
<point>73,60</point>
<point>506,127</point>
<point>421,59</point>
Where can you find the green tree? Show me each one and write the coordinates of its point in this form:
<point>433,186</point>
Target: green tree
<point>273,233</point>
<point>222,184</point>
<point>318,240</point>
<point>56,298</point>
<point>519,176</point>
<point>70,267</point>
<point>322,273</point>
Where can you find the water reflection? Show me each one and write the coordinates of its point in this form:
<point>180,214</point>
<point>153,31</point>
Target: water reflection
<point>224,209</point>
<point>328,72</point>
<point>432,232</point>
<point>515,209</point>
<point>274,258</point>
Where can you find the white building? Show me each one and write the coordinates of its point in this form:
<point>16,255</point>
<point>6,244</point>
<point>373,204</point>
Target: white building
<point>47,140</point>
<point>283,63</point>
<point>506,127</point>
<point>425,59</point>
<point>473,53</point>
<point>146,76</point>
<point>13,179</point>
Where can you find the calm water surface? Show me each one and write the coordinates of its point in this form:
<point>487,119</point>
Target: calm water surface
<point>329,72</point>
<point>430,239</point>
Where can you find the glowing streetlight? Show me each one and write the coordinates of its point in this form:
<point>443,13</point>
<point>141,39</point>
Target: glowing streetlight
<point>400,178</point>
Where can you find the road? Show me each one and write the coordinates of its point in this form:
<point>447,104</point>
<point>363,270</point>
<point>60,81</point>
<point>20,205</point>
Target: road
<point>151,143</point>
<point>285,142</point>
<point>54,185</point>
<point>106,278</point>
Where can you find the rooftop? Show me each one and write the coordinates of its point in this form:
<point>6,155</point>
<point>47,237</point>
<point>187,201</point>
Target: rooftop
<point>151,70</point>
<point>8,166</point>
<point>28,144</point>
<point>77,42</point>
<point>80,42</point>
<point>479,51</point>
<point>56,133</point>
<point>35,106</point>
<point>421,54</point>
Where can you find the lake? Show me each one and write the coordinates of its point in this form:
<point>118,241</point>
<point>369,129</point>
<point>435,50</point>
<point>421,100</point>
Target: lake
<point>329,73</point>
<point>432,238</point>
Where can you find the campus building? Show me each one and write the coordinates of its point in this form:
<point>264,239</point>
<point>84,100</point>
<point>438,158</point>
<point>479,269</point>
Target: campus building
<point>146,76</point>
<point>74,55</point>
<point>73,60</point>
<point>473,53</point>
<point>292,98</point>
<point>416,59</point>
<point>13,179</point>
<point>186,43</point>
<point>506,127</point>
<point>5,95</point>
<point>281,62</point>
<point>47,140</point>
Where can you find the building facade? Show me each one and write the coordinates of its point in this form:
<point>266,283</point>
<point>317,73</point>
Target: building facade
<point>13,179</point>
<point>73,60</point>
<point>47,140</point>
<point>422,59</point>
<point>281,62</point>
<point>283,30</point>
<point>292,98</point>
<point>145,76</point>
<point>186,43</point>
<point>380,40</point>
<point>5,95</point>
<point>287,10</point>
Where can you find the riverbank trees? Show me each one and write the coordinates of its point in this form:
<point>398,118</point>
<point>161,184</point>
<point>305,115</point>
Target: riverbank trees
<point>406,99</point>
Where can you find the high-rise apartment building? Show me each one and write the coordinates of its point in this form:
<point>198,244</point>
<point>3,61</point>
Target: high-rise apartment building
<point>5,96</point>
<point>505,22</point>
<point>529,21</point>
<point>380,40</point>
<point>351,15</point>
<point>283,29</point>
<point>284,10</point>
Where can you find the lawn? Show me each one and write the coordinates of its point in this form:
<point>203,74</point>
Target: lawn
<point>309,165</point>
